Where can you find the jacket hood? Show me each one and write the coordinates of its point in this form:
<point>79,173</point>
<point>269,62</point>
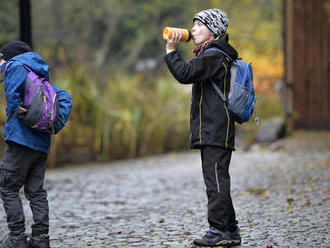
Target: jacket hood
<point>35,62</point>
<point>222,43</point>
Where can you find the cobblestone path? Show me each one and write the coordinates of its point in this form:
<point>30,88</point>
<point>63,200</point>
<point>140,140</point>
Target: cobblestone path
<point>280,198</point>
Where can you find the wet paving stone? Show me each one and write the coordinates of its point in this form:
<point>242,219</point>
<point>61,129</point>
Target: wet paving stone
<point>280,198</point>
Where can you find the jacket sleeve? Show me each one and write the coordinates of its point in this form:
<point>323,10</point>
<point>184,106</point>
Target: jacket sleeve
<point>198,69</point>
<point>65,105</point>
<point>14,86</point>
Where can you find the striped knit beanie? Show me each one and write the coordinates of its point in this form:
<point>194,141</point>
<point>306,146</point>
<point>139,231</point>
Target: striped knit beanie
<point>215,19</point>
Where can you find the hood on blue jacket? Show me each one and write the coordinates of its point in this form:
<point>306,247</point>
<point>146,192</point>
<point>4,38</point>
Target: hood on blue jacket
<point>35,62</point>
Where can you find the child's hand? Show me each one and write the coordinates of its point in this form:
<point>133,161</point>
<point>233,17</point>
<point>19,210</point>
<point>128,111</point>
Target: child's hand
<point>21,111</point>
<point>173,43</point>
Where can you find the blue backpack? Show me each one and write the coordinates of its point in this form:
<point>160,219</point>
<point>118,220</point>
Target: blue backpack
<point>241,97</point>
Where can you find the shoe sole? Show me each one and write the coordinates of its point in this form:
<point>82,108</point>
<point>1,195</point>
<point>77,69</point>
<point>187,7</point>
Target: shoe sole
<point>33,246</point>
<point>217,246</point>
<point>221,244</point>
<point>235,242</point>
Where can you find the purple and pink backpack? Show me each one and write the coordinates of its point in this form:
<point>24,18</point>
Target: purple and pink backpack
<point>41,101</point>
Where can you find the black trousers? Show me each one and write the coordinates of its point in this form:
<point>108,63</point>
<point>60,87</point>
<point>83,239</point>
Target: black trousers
<point>24,167</point>
<point>215,164</point>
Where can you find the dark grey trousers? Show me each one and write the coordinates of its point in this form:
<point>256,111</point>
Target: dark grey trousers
<point>215,164</point>
<point>23,166</point>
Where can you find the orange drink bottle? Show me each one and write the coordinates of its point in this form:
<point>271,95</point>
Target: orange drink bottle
<point>185,34</point>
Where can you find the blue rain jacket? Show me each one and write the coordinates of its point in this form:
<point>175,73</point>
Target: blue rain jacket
<point>14,80</point>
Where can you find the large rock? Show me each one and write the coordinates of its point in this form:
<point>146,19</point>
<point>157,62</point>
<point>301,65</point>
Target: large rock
<point>271,130</point>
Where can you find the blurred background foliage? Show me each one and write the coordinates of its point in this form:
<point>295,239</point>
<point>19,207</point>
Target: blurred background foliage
<point>109,55</point>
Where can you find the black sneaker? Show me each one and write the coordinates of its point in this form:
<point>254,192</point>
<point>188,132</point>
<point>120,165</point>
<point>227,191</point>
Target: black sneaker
<point>214,238</point>
<point>14,241</point>
<point>235,237</point>
<point>39,241</point>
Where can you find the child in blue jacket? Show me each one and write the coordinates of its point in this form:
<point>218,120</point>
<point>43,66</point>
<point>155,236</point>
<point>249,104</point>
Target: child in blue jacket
<point>24,161</point>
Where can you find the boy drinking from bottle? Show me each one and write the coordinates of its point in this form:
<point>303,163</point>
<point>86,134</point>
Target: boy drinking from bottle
<point>212,128</point>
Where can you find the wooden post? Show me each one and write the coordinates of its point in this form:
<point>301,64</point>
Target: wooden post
<point>307,62</point>
<point>25,21</point>
<point>287,47</point>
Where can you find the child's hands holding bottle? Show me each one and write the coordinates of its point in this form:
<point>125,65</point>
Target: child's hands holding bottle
<point>172,43</point>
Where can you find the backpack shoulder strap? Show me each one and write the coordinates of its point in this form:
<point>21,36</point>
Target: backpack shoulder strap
<point>11,61</point>
<point>221,51</point>
<point>4,80</point>
<point>215,86</point>
<point>8,63</point>
<point>28,68</point>
<point>40,77</point>
<point>217,89</point>
<point>4,71</point>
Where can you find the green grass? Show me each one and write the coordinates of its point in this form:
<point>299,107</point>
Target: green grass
<point>128,116</point>
<point>125,116</point>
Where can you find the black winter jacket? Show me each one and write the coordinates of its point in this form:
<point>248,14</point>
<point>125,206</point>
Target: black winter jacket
<point>210,121</point>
